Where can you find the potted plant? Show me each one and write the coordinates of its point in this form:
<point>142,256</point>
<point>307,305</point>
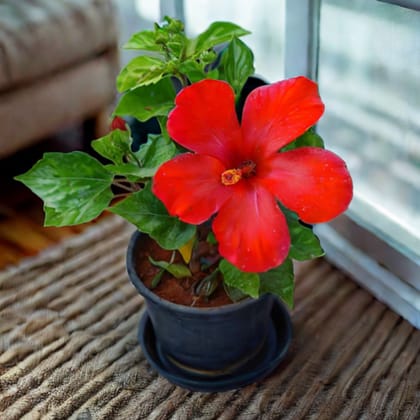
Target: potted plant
<point>223,197</point>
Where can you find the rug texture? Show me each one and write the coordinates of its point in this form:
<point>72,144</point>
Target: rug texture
<point>68,347</point>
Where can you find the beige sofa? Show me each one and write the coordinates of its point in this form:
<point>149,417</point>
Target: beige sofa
<point>58,62</point>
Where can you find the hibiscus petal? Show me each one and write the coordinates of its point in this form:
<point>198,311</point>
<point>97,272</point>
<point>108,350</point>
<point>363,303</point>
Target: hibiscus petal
<point>189,186</point>
<point>313,182</point>
<point>276,114</point>
<point>251,230</point>
<point>204,120</point>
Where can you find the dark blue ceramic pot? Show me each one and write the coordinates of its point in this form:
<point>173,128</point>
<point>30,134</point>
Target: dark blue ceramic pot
<point>199,344</point>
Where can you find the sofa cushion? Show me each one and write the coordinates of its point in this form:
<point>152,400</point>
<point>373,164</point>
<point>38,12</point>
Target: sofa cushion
<point>34,111</point>
<point>40,37</point>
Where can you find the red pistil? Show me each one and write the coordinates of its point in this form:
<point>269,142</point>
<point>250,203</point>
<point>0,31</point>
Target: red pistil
<point>248,168</point>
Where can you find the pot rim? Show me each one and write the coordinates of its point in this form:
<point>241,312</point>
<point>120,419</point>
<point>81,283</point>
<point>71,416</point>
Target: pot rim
<point>149,294</point>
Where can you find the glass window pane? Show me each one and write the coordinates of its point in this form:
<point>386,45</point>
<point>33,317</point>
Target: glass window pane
<point>264,18</point>
<point>369,74</point>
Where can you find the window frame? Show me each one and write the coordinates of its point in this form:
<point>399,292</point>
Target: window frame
<point>408,4</point>
<point>172,8</point>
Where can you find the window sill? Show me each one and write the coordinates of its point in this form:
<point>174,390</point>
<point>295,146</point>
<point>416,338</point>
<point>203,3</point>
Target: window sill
<point>400,295</point>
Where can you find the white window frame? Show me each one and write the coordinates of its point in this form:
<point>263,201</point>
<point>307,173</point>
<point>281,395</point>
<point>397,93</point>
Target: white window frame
<point>172,8</point>
<point>374,263</point>
<point>409,4</point>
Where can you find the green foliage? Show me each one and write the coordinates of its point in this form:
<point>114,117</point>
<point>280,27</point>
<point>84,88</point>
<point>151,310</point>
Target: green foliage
<point>141,71</point>
<point>248,283</point>
<point>211,239</point>
<point>280,282</point>
<point>74,186</point>
<point>208,285</point>
<point>179,271</point>
<point>115,146</point>
<point>145,102</point>
<point>171,53</point>
<point>305,244</point>
<point>145,41</point>
<point>154,152</point>
<point>150,216</point>
<point>238,64</point>
<point>144,163</point>
<point>194,70</point>
<point>217,33</point>
<point>309,138</point>
<point>234,294</point>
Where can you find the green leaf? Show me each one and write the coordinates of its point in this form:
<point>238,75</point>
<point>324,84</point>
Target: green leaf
<point>150,216</point>
<point>157,278</point>
<point>162,120</point>
<point>141,164</point>
<point>248,283</point>
<point>217,33</point>
<point>193,69</point>
<point>129,170</point>
<point>157,150</point>
<point>176,45</point>
<point>309,138</point>
<point>305,244</point>
<point>238,64</point>
<point>149,101</point>
<point>144,40</point>
<point>213,74</point>
<point>168,39</point>
<point>140,71</point>
<point>74,186</point>
<point>234,294</point>
<point>208,285</point>
<point>211,239</point>
<point>171,36</point>
<point>179,271</point>
<point>115,146</point>
<point>279,281</point>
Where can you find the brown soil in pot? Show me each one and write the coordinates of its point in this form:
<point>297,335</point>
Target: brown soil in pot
<point>178,291</point>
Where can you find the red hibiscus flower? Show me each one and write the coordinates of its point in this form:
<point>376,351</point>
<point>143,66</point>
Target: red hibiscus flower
<point>238,173</point>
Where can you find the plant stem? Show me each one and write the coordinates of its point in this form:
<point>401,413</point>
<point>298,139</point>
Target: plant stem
<point>183,79</point>
<point>133,155</point>
<point>130,188</point>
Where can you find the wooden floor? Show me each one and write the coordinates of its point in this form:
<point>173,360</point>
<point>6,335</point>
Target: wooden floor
<point>22,234</point>
<point>21,217</point>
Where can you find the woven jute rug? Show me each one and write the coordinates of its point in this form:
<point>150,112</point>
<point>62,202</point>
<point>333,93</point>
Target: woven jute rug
<point>68,349</point>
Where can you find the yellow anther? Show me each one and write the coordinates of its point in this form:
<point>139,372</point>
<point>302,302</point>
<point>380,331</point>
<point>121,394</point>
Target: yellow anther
<point>231,176</point>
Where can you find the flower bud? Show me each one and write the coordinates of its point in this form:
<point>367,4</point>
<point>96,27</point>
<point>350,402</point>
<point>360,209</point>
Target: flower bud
<point>118,123</point>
